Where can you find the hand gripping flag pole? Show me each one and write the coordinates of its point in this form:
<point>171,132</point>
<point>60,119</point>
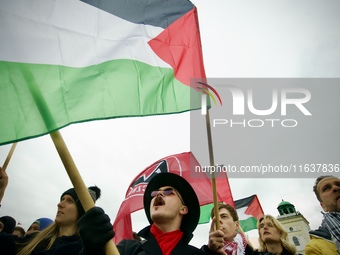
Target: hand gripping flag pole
<point>77,181</point>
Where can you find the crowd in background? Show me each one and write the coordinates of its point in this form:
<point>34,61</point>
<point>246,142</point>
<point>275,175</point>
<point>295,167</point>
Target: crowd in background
<point>172,208</point>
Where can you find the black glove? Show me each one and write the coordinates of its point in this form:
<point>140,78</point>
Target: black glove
<point>95,230</point>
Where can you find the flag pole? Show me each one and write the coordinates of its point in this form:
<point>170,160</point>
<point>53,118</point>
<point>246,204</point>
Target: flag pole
<point>65,156</point>
<point>77,181</point>
<point>213,179</point>
<point>10,153</point>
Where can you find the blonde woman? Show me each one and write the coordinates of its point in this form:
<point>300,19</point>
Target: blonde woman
<point>62,236</point>
<point>273,238</point>
<point>59,238</point>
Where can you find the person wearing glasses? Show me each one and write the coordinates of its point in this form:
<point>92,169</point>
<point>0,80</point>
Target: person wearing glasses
<point>172,209</point>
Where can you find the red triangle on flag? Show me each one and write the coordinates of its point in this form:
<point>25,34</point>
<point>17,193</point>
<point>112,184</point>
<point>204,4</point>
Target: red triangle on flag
<point>187,60</point>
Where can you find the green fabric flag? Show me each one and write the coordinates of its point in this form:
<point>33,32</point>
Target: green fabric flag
<point>63,62</point>
<point>205,213</point>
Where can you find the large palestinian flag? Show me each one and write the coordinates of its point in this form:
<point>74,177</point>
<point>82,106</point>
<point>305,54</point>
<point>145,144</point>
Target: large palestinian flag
<point>69,61</point>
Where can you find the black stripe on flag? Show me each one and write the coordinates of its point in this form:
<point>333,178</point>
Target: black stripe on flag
<point>244,202</point>
<point>159,13</point>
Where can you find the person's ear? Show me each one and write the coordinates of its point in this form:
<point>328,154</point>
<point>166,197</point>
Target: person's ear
<point>324,207</point>
<point>183,210</point>
<point>237,225</point>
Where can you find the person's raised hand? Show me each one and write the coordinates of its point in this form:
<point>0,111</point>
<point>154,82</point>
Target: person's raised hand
<point>95,230</point>
<point>3,182</point>
<point>216,240</point>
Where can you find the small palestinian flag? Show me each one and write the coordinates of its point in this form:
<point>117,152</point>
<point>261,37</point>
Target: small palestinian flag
<point>249,212</point>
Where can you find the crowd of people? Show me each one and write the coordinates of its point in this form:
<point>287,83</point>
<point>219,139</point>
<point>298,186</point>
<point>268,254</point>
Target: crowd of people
<point>172,209</point>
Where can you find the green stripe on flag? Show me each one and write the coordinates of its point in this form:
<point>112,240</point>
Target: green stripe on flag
<point>248,224</point>
<point>205,213</point>
<point>117,88</point>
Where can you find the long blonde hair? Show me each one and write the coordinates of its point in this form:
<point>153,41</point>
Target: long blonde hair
<point>290,247</point>
<point>46,236</point>
<point>49,235</point>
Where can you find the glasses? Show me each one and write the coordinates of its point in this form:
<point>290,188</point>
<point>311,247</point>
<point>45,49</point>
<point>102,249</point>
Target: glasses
<point>167,192</point>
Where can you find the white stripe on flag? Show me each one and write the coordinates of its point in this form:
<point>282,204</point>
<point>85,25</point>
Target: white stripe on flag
<point>241,213</point>
<point>70,33</point>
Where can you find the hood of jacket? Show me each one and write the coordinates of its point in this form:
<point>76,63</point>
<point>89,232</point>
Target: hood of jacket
<point>321,232</point>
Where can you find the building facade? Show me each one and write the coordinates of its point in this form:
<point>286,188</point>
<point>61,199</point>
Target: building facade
<point>296,225</point>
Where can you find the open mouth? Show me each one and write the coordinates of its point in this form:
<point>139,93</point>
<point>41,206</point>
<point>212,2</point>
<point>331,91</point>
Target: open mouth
<point>159,201</point>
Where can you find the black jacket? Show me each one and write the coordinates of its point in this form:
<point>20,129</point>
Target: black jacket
<point>65,245</point>
<point>248,251</point>
<point>284,252</point>
<point>149,246</point>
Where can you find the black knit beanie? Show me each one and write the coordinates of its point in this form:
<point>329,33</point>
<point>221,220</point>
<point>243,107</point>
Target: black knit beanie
<point>9,224</point>
<point>94,192</point>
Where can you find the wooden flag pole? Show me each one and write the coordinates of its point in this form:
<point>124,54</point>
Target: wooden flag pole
<point>10,153</point>
<point>77,181</point>
<point>65,156</point>
<point>213,179</point>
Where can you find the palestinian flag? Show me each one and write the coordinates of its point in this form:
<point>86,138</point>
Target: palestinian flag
<point>249,211</point>
<point>223,191</point>
<point>70,61</point>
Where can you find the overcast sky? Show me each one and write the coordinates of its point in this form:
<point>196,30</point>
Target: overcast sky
<point>264,38</point>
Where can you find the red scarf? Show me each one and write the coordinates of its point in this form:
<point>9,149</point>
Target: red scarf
<point>166,241</point>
